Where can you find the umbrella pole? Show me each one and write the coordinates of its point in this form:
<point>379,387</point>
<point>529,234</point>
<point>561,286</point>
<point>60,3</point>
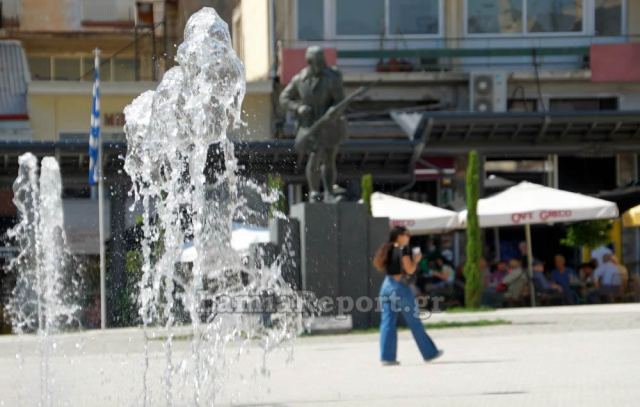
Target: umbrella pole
<point>532,291</point>
<point>496,242</point>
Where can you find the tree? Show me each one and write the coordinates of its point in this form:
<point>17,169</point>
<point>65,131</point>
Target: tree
<point>591,233</point>
<point>473,280</point>
<point>366,185</point>
<point>275,185</point>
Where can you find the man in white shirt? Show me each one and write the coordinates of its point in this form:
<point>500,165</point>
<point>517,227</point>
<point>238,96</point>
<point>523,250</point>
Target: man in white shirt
<point>599,252</point>
<point>607,280</point>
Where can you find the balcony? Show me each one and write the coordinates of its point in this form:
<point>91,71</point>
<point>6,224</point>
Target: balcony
<point>462,54</point>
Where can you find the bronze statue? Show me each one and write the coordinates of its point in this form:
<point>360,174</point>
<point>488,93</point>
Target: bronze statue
<point>316,97</point>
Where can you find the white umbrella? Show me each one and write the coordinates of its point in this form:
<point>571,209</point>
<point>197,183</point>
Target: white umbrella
<point>242,236</point>
<point>419,218</point>
<point>527,204</point>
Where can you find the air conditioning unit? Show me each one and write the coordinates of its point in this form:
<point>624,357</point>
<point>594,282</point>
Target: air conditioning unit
<point>488,92</point>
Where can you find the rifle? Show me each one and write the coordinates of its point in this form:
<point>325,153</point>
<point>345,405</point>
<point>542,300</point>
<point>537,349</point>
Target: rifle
<point>308,135</point>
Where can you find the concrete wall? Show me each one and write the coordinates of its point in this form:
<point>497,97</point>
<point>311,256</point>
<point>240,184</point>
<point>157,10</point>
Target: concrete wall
<point>255,38</point>
<point>68,109</point>
<point>256,111</point>
<point>52,114</point>
<point>50,15</point>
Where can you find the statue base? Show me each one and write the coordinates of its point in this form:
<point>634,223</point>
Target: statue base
<point>337,245</point>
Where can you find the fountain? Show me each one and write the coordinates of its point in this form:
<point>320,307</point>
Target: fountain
<point>205,313</point>
<point>45,297</point>
<point>226,299</point>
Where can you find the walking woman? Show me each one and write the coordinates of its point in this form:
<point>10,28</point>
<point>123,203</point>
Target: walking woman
<point>396,260</point>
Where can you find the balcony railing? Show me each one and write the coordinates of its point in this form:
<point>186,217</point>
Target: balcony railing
<point>463,54</point>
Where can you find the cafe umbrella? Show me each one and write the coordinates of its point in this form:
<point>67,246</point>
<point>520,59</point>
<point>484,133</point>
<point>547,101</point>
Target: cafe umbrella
<point>419,218</point>
<point>527,204</point>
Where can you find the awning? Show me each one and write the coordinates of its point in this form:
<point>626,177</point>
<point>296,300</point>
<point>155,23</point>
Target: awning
<point>528,203</point>
<point>419,218</point>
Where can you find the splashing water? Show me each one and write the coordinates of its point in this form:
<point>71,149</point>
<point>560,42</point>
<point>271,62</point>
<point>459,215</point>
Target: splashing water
<point>221,295</point>
<point>44,299</point>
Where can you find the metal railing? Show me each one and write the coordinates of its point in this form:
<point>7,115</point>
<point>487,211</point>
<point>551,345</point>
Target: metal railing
<point>463,53</point>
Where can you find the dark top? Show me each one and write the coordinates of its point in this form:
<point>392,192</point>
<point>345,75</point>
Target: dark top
<point>394,265</point>
<point>563,279</point>
<point>540,282</point>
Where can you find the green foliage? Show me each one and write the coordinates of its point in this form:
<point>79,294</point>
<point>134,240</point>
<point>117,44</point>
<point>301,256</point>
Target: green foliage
<point>473,280</point>
<point>127,297</point>
<point>366,185</point>
<point>592,233</point>
<point>275,184</point>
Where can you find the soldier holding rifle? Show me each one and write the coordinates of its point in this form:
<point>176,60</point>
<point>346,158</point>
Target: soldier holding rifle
<point>316,97</point>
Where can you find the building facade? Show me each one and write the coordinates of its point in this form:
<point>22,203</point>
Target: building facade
<point>545,90</point>
<point>481,72</point>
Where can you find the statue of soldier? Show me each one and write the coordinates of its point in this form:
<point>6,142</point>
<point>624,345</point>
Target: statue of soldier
<point>314,95</point>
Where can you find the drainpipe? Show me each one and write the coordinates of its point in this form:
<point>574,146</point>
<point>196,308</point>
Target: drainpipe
<point>273,49</point>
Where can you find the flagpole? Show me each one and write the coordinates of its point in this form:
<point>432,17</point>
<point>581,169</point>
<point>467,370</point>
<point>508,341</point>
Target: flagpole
<point>103,288</point>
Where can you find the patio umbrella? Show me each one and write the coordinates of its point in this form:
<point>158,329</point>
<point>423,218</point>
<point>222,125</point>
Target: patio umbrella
<point>631,218</point>
<point>419,218</point>
<point>527,203</point>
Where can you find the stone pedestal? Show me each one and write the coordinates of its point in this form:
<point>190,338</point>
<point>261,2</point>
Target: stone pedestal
<point>337,243</point>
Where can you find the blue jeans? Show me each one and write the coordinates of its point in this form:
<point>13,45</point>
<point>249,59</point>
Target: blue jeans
<point>395,298</point>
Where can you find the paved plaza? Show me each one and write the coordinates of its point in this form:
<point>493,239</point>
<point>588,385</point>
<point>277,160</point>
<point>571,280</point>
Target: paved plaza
<point>568,356</point>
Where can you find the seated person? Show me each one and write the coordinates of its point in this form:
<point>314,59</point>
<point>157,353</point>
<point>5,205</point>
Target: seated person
<point>511,288</point>
<point>565,277</point>
<point>443,274</point>
<point>439,282</point>
<point>500,270</point>
<point>423,274</point>
<point>622,270</point>
<point>542,284</point>
<point>485,273</point>
<point>606,280</point>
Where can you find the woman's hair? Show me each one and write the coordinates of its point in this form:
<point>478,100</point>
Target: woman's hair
<point>381,257</point>
<point>396,232</point>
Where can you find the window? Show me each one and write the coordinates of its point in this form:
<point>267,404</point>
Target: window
<point>310,19</point>
<point>124,69</point>
<point>414,17</point>
<point>360,17</point>
<point>66,69</point>
<point>494,16</point>
<point>40,68</point>
<point>554,16</point>
<point>372,18</point>
<point>608,19</point>
<point>596,17</point>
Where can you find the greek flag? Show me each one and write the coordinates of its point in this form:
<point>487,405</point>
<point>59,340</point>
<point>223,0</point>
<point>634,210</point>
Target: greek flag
<point>94,136</point>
